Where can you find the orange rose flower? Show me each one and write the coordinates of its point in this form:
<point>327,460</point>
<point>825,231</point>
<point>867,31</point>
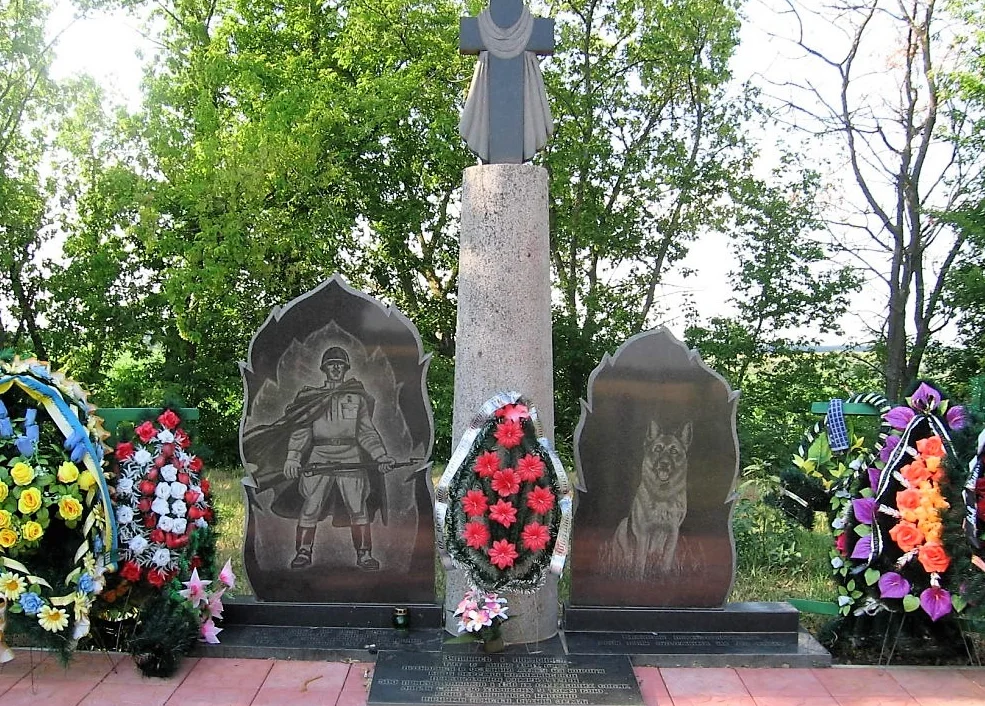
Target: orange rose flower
<point>933,558</point>
<point>907,536</point>
<point>909,499</point>
<point>931,446</point>
<point>916,472</point>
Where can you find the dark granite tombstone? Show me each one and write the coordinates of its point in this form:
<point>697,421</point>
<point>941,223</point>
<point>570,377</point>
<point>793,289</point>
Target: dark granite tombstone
<point>657,458</point>
<point>335,437</point>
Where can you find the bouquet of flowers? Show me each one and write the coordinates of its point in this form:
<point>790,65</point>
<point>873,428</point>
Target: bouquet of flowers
<point>162,501</point>
<point>481,613</point>
<point>56,536</point>
<point>208,603</point>
<point>504,507</point>
<point>891,552</point>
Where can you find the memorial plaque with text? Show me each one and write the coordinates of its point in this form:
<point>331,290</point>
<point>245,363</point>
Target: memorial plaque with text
<point>503,679</point>
<point>335,437</point>
<point>657,458</point>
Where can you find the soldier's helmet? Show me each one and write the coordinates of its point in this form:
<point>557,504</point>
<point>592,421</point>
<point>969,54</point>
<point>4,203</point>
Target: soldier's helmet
<point>335,354</point>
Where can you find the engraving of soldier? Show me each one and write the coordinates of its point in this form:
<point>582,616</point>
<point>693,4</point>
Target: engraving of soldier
<point>333,461</point>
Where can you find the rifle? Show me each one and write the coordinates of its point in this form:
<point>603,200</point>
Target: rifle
<point>273,477</point>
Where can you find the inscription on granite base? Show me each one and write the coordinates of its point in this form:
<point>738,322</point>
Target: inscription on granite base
<point>503,679</point>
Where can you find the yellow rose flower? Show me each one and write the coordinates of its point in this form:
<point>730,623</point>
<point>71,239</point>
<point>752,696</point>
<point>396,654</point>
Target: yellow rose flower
<point>68,472</point>
<point>11,586</point>
<point>22,473</point>
<point>4,519</point>
<point>7,538</point>
<point>4,491</point>
<point>32,531</point>
<point>52,619</point>
<point>86,481</point>
<point>69,508</point>
<point>30,501</point>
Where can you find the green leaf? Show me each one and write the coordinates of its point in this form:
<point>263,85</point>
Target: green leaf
<point>871,576</point>
<point>863,530</point>
<point>910,603</point>
<point>958,602</point>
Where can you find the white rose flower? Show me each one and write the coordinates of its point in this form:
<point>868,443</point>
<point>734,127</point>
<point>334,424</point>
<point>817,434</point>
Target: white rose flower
<point>845,600</point>
<point>178,490</point>
<point>165,523</point>
<point>837,562</point>
<point>179,509</point>
<point>160,506</point>
<point>125,486</point>
<point>180,525</point>
<point>142,457</point>
<point>124,514</point>
<point>137,545</point>
<point>163,490</point>
<point>839,523</point>
<point>162,557</point>
<point>165,436</point>
<point>169,473</point>
<point>201,523</point>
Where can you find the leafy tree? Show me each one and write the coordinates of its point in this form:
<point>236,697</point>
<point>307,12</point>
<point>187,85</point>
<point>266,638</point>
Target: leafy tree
<point>894,122</point>
<point>645,144</point>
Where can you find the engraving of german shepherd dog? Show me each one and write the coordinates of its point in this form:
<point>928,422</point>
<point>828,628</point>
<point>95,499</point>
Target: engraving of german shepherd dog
<point>645,542</point>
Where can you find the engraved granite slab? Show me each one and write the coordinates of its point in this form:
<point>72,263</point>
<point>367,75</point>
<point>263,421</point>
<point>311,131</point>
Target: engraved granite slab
<point>657,458</point>
<point>503,679</point>
<point>335,438</point>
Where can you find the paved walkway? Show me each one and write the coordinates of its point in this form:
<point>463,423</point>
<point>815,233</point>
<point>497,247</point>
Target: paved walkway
<point>109,679</point>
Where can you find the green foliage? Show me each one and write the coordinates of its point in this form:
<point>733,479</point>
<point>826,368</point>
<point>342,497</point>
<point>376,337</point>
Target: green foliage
<point>167,629</point>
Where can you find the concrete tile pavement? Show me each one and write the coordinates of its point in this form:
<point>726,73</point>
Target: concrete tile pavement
<point>36,678</point>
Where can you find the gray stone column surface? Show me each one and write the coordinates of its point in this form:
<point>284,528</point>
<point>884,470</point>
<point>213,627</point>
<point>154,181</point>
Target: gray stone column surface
<point>503,341</point>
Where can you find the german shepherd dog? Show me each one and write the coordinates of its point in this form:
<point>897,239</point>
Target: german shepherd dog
<point>645,541</point>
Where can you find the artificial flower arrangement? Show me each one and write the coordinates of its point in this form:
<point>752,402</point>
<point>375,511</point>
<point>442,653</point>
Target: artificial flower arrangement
<point>503,511</point>
<point>161,501</point>
<point>892,548</point>
<point>828,459</point>
<point>165,517</point>
<point>57,539</point>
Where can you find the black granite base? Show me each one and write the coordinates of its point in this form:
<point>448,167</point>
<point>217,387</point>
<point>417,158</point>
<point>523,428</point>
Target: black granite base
<point>313,643</point>
<point>403,678</point>
<point>733,618</point>
<point>248,611</point>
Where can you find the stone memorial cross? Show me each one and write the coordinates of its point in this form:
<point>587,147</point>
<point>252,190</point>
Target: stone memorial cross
<point>506,117</point>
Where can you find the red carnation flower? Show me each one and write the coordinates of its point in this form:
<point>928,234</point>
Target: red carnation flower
<point>124,450</point>
<point>980,484</point>
<point>144,505</point>
<point>981,509</point>
<point>146,487</point>
<point>509,434</point>
<point>150,520</point>
<point>540,500</point>
<point>530,468</point>
<point>535,537</point>
<point>195,513</point>
<point>131,572</point>
<point>146,432</point>
<point>506,482</point>
<point>513,412</point>
<point>184,478</point>
<point>195,563</point>
<point>160,461</point>
<point>195,464</point>
<point>503,512</point>
<point>474,503</point>
<point>191,497</point>
<point>204,484</point>
<point>208,515</point>
<point>476,534</point>
<point>169,420</point>
<point>152,474</point>
<point>157,536</point>
<point>182,439</point>
<point>156,578</point>
<point>167,450</point>
<point>502,554</point>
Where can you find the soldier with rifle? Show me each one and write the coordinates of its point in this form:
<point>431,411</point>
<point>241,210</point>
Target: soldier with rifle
<point>333,464</point>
